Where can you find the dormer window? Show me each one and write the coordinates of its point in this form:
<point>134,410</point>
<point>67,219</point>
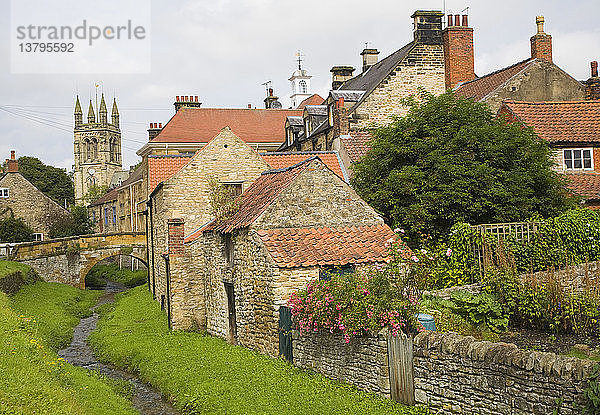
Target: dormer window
<point>578,159</point>
<point>4,193</point>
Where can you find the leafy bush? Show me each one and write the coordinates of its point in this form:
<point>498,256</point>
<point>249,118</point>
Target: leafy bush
<point>15,230</point>
<point>77,223</point>
<point>592,393</point>
<point>96,278</point>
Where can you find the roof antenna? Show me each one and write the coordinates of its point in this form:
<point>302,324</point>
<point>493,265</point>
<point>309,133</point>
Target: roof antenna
<point>267,86</point>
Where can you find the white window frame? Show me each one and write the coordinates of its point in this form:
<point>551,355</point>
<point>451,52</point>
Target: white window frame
<point>582,158</point>
<point>38,236</point>
<point>4,193</point>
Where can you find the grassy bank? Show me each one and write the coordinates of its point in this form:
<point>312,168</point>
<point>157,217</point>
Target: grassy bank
<point>98,275</point>
<point>204,374</point>
<point>33,380</point>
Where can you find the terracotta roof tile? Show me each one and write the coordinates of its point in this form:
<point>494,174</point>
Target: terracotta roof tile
<point>479,88</point>
<point>586,185</point>
<point>260,195</point>
<point>328,246</point>
<point>330,158</point>
<point>314,99</point>
<point>563,121</point>
<point>356,144</point>
<point>163,167</point>
<point>200,125</point>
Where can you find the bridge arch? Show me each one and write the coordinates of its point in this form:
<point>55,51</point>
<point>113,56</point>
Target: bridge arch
<point>91,262</point>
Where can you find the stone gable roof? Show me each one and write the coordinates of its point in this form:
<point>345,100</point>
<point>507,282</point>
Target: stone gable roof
<point>314,99</point>
<point>163,167</point>
<point>200,125</point>
<point>576,122</point>
<point>368,81</point>
<point>283,160</point>
<point>356,144</point>
<point>481,87</point>
<point>327,246</point>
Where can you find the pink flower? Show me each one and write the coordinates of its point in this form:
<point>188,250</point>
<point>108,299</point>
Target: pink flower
<point>449,252</point>
<point>398,230</point>
<point>414,258</point>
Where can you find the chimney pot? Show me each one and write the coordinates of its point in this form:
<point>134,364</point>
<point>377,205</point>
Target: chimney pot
<point>539,21</point>
<point>12,154</point>
<point>465,20</point>
<point>340,103</point>
<point>160,125</point>
<point>450,20</point>
<point>196,98</point>
<point>177,98</point>
<point>457,19</point>
<point>594,69</point>
<point>249,106</point>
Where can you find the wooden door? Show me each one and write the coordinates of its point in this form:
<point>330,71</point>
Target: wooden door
<point>285,333</point>
<point>231,311</point>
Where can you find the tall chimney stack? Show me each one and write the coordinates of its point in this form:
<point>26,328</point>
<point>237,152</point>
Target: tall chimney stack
<point>541,43</point>
<point>187,101</point>
<point>154,130</point>
<point>12,165</point>
<point>369,58</point>
<point>427,27</point>
<point>339,75</point>
<point>592,85</point>
<point>459,58</point>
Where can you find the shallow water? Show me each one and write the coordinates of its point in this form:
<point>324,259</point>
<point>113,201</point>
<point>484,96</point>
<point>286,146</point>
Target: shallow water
<point>146,399</point>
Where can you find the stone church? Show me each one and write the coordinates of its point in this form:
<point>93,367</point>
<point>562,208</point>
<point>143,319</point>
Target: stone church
<point>97,148</point>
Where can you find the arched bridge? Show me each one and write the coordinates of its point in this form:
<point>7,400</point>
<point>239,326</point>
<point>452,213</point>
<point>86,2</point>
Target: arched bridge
<point>68,260</point>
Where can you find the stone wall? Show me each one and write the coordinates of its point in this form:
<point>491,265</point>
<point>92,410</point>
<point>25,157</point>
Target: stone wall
<point>575,277</point>
<point>457,374</point>
<point>363,362</point>
<point>27,202</point>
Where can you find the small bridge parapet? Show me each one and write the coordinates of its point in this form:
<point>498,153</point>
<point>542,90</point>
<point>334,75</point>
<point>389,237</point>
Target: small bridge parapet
<point>68,260</point>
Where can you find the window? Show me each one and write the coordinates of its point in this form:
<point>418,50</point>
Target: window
<point>328,271</point>
<point>38,236</point>
<point>330,115</point>
<point>114,214</point>
<point>106,216</point>
<point>234,188</point>
<point>4,192</point>
<point>303,88</point>
<point>228,250</point>
<point>94,217</point>
<point>578,159</point>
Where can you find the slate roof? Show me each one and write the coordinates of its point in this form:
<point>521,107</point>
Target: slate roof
<point>283,160</point>
<point>322,127</point>
<point>481,87</point>
<point>350,96</point>
<point>316,110</point>
<point>260,195</point>
<point>586,185</point>
<point>367,81</point>
<point>327,246</point>
<point>200,125</point>
<point>560,121</point>
<point>136,175</point>
<point>163,167</point>
<point>108,197</point>
<point>295,121</point>
<point>314,99</point>
<point>356,144</point>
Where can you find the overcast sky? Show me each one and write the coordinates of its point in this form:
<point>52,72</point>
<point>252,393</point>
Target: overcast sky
<point>223,50</point>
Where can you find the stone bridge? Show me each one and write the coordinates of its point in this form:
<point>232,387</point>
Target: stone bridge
<point>68,260</point>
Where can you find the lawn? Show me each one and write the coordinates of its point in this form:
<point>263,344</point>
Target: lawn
<point>96,278</point>
<point>203,374</point>
<point>33,380</point>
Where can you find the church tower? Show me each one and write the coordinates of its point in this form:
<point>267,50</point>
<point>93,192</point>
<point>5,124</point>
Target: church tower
<point>300,84</point>
<point>97,148</point>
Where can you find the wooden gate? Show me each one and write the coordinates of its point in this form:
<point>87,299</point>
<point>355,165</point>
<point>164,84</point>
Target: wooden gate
<point>400,358</point>
<point>285,333</point>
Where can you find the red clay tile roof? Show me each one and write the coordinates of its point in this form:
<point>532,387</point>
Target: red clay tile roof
<point>163,167</point>
<point>260,195</point>
<point>561,121</point>
<point>356,144</point>
<point>196,233</point>
<point>200,125</point>
<point>327,246</point>
<point>479,88</point>
<point>586,185</point>
<point>314,99</point>
<point>330,158</point>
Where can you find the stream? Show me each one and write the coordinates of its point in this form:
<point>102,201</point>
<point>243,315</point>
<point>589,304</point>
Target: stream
<point>146,399</point>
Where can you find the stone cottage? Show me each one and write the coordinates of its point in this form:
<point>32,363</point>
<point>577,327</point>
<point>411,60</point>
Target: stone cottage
<point>292,224</point>
<point>21,199</point>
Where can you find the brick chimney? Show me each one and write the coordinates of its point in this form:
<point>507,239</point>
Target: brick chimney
<point>187,101</point>
<point>427,27</point>
<point>459,59</point>
<point>341,123</point>
<point>176,235</point>
<point>154,130</point>
<point>592,85</point>
<point>12,165</point>
<point>369,58</point>
<point>339,75</point>
<point>541,43</point>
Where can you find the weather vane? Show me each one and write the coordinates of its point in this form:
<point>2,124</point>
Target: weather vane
<point>299,56</point>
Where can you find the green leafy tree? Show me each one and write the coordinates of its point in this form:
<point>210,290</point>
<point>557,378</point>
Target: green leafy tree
<point>94,193</point>
<point>15,230</point>
<point>52,181</point>
<point>77,223</point>
<point>450,160</point>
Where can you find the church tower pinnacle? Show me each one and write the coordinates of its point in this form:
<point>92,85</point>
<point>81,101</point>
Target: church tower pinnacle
<point>103,112</point>
<point>78,113</point>
<point>114,116</point>
<point>91,114</point>
<point>300,80</point>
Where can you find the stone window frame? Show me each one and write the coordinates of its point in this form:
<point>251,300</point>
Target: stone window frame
<point>327,271</point>
<point>4,192</point>
<point>582,159</point>
<point>238,187</point>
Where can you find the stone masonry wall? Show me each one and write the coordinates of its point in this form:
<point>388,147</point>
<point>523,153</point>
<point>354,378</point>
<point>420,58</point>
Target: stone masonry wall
<point>27,202</point>
<point>423,68</point>
<point>456,374</point>
<point>363,362</point>
<point>576,277</point>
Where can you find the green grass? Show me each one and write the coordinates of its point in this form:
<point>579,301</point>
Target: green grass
<point>203,374</point>
<point>13,275</point>
<point>8,267</point>
<point>580,355</point>
<point>95,278</point>
<point>33,380</point>
<point>57,308</point>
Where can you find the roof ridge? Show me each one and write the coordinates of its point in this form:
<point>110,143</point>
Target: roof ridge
<point>278,153</point>
<point>284,169</point>
<point>584,101</point>
<point>495,72</point>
